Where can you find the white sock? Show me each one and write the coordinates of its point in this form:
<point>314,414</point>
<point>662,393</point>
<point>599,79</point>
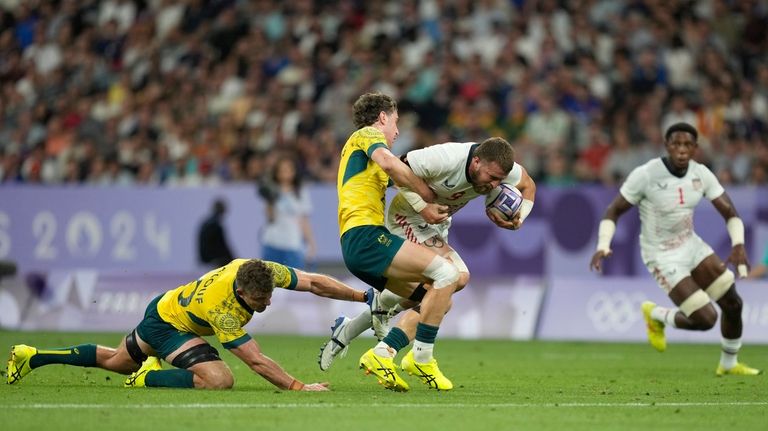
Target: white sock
<point>729,352</point>
<point>382,349</point>
<point>356,326</point>
<point>389,299</point>
<point>664,315</point>
<point>422,352</point>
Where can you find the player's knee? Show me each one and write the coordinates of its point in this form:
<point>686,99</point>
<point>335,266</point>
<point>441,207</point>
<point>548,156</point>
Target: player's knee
<point>217,378</point>
<point>731,304</point>
<point>442,272</point>
<point>463,280</point>
<point>704,319</point>
<point>699,310</point>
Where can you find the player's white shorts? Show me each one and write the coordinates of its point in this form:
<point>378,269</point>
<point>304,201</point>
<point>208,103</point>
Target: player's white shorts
<point>413,228</point>
<point>670,267</point>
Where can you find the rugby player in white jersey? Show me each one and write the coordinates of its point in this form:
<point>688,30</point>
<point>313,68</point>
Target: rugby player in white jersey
<point>458,173</point>
<point>666,191</point>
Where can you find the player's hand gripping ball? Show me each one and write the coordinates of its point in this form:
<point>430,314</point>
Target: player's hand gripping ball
<point>504,200</point>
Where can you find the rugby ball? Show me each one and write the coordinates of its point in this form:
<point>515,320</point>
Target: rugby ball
<point>504,200</point>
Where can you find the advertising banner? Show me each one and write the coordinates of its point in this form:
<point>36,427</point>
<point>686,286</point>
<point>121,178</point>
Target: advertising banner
<point>115,301</point>
<point>155,229</point>
<point>608,309</point>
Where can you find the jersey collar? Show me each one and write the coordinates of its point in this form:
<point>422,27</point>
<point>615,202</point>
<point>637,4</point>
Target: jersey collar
<point>671,168</point>
<point>469,160</point>
<point>239,299</point>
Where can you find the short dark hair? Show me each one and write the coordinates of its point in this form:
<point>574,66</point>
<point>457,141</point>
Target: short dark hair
<point>367,107</point>
<point>255,277</point>
<point>497,150</point>
<point>681,127</point>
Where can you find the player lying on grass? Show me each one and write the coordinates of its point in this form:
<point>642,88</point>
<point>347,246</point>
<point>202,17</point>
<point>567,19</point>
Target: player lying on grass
<point>458,173</point>
<point>666,191</point>
<point>219,303</point>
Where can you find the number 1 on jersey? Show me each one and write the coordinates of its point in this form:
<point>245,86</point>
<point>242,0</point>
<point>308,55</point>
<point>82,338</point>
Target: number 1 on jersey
<point>680,194</point>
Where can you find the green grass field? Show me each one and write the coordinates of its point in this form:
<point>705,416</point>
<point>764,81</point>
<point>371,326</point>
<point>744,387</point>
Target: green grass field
<point>500,385</point>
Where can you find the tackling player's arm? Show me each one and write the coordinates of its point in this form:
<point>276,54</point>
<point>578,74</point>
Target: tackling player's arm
<point>250,353</point>
<point>734,224</point>
<point>607,228</point>
<point>401,174</point>
<point>328,287</point>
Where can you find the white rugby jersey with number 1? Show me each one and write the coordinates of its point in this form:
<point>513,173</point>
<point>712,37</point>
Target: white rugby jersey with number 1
<point>445,168</point>
<point>666,202</point>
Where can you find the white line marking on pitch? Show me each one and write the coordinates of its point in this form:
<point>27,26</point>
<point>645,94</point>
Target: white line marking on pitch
<point>346,405</point>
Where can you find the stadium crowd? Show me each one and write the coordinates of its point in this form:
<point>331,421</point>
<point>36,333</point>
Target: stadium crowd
<point>201,92</point>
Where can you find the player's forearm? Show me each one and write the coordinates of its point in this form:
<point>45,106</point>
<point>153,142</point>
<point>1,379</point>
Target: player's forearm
<point>403,176</point>
<point>273,373</point>
<point>329,287</point>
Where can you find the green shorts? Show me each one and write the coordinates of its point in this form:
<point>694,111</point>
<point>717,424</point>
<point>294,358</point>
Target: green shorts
<point>368,251</point>
<point>159,334</point>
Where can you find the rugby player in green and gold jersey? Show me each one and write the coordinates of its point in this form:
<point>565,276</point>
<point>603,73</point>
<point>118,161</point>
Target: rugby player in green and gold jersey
<point>219,303</point>
<point>375,255</point>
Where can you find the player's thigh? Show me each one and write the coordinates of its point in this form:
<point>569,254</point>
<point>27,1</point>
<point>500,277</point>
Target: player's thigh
<point>709,270</point>
<point>410,262</point>
<point>693,301</point>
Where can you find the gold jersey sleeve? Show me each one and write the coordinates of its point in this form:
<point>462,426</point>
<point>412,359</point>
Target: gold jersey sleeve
<point>284,276</point>
<point>361,183</point>
<point>209,306</point>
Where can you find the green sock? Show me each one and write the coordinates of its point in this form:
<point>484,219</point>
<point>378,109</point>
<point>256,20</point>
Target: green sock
<point>83,355</point>
<point>169,379</point>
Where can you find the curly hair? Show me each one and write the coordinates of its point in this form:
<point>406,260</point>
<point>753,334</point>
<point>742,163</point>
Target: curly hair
<point>255,277</point>
<point>367,107</point>
<point>681,127</point>
<point>497,150</point>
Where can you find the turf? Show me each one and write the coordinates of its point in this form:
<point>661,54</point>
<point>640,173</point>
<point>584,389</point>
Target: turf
<point>500,385</point>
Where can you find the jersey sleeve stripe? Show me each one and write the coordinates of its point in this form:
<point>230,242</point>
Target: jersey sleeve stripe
<point>294,279</point>
<point>374,147</point>
<point>236,342</point>
<point>356,163</point>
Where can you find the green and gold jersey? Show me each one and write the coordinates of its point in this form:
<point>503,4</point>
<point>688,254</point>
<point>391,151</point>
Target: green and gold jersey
<point>361,183</point>
<point>210,305</point>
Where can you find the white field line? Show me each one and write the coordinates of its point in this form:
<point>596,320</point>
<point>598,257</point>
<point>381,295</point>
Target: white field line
<point>322,405</point>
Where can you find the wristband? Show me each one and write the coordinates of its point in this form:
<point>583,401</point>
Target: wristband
<point>296,385</point>
<point>414,200</point>
<point>735,230</point>
<point>525,209</point>
<point>605,235</point>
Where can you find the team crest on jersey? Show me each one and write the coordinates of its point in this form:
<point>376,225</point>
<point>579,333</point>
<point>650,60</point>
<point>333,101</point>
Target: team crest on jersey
<point>696,184</point>
<point>227,322</point>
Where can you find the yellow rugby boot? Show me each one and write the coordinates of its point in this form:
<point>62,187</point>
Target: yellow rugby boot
<point>738,370</point>
<point>429,373</point>
<point>136,380</point>
<point>18,362</point>
<point>384,370</point>
<point>655,328</point>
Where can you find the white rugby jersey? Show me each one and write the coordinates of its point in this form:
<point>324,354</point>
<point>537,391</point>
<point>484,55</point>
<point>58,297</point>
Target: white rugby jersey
<point>666,202</point>
<point>444,167</point>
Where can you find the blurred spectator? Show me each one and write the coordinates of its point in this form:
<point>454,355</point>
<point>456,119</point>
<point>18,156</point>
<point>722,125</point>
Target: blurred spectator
<point>760,270</point>
<point>191,92</point>
<point>287,238</point>
<point>213,248</point>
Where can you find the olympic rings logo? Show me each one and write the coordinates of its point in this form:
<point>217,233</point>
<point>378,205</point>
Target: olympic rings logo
<point>614,311</point>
